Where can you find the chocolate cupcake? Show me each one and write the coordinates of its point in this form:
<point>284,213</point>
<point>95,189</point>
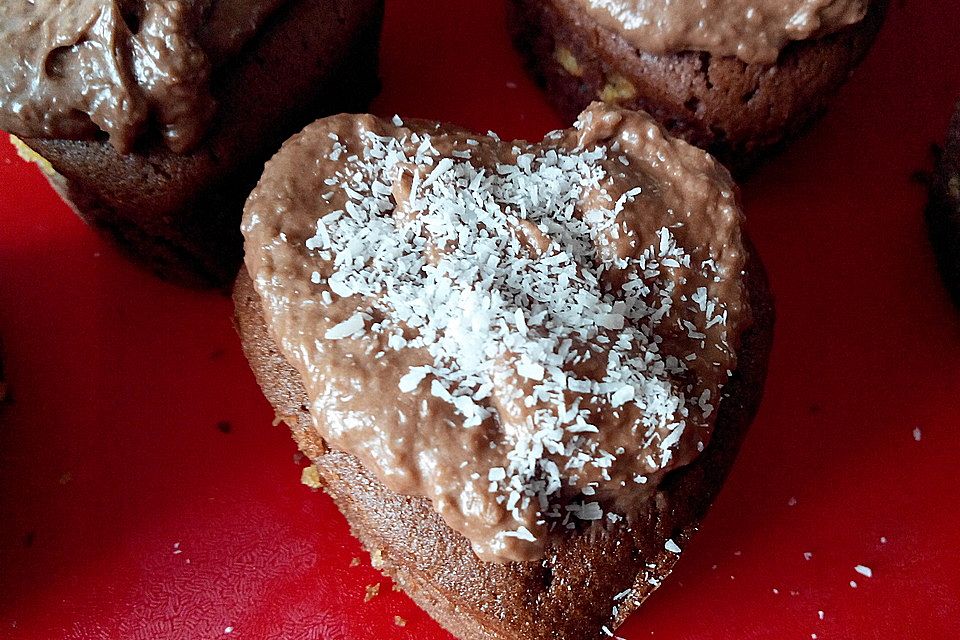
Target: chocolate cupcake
<point>522,371</point>
<point>735,78</point>
<point>154,119</point>
<point>943,210</point>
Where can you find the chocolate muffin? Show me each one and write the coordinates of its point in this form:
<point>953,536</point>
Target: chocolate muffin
<point>943,209</point>
<point>734,78</point>
<point>154,119</point>
<point>522,371</point>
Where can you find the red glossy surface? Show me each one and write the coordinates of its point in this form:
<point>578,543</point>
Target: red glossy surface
<point>127,512</point>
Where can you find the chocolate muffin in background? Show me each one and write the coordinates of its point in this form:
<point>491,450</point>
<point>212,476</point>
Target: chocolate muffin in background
<point>153,120</point>
<point>943,209</point>
<point>733,86</point>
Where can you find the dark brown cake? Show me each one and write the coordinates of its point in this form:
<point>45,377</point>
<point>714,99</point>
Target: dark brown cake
<point>582,579</point>
<point>943,210</point>
<point>735,110</point>
<point>179,214</point>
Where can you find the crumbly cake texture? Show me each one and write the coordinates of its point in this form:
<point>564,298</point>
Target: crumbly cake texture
<point>943,210</point>
<point>739,112</point>
<point>588,581</point>
<point>179,214</point>
<point>593,573</point>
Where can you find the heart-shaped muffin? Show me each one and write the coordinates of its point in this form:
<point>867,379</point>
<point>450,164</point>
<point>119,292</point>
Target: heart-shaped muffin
<point>522,370</point>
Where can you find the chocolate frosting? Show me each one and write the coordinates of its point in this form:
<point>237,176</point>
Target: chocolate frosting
<point>530,335</point>
<point>752,30</point>
<point>75,69</point>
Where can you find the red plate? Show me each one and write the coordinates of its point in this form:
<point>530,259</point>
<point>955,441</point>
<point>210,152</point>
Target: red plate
<point>144,494</point>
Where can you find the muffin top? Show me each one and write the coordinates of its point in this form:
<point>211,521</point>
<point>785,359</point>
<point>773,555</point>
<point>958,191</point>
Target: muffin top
<point>752,30</point>
<point>530,335</point>
<point>118,68</point>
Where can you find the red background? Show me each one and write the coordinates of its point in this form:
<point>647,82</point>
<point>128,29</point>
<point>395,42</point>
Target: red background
<point>111,452</point>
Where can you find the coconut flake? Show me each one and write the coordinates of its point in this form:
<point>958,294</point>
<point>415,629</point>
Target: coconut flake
<point>412,379</point>
<point>345,329</point>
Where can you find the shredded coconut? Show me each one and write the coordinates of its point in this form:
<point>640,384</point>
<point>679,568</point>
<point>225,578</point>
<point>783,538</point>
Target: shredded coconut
<point>496,274</point>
